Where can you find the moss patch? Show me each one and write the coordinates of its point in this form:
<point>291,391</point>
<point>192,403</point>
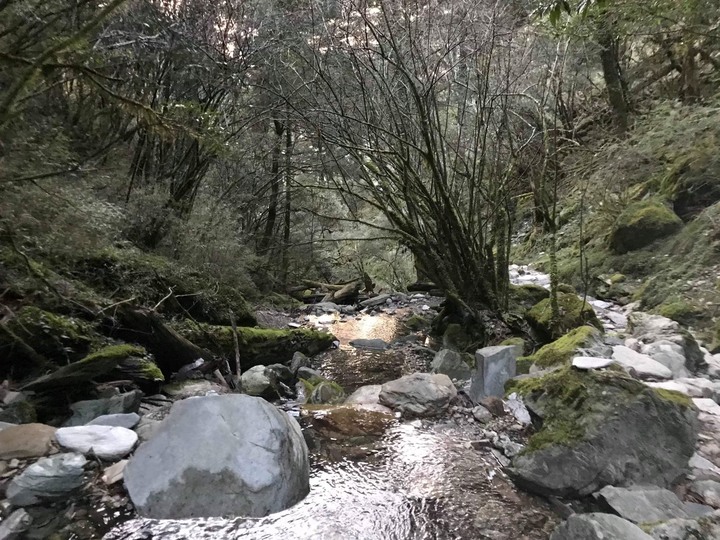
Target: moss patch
<point>526,296</point>
<point>675,397</point>
<point>573,314</point>
<point>642,223</point>
<point>563,349</point>
<point>92,366</point>
<point>57,338</point>
<point>678,310</point>
<point>123,273</point>
<point>568,399</point>
<point>257,345</point>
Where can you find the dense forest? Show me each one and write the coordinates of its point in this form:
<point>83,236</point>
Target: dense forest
<point>178,175</point>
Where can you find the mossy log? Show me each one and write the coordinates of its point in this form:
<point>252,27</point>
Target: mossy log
<point>171,350</point>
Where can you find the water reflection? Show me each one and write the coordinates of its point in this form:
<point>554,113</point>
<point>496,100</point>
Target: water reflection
<point>425,482</point>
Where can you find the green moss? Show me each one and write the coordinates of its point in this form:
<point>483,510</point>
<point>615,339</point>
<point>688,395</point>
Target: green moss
<point>517,342</point>
<point>526,296</point>
<point>675,397</point>
<point>678,310</point>
<point>642,223</point>
<point>617,278</point>
<point>57,338</point>
<point>571,401</point>
<point>326,392</point>
<point>97,364</point>
<point>573,313</point>
<point>114,352</point>
<point>566,288</point>
<point>416,322</point>
<point>563,349</point>
<point>257,345</point>
<point>121,273</point>
<point>522,365</point>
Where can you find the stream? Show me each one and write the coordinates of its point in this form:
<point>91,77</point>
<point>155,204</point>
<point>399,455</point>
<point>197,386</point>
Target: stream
<point>408,480</point>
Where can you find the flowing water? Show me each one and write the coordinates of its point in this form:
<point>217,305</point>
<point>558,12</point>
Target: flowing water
<point>409,480</point>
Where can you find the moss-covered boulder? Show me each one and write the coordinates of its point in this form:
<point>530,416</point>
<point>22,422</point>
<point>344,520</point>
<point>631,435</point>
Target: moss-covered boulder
<point>257,345</point>
<point>122,273</point>
<point>97,364</point>
<point>527,295</point>
<point>58,339</point>
<point>561,351</point>
<point>602,428</point>
<point>642,223</point>
<point>573,313</point>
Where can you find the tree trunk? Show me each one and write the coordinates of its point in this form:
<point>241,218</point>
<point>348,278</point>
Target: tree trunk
<point>612,72</point>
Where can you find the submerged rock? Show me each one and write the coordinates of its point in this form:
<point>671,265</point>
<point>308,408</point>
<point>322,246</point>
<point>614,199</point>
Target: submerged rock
<point>602,428</point>
<point>47,479</point>
<point>220,455</point>
<point>598,526</point>
<point>419,394</point>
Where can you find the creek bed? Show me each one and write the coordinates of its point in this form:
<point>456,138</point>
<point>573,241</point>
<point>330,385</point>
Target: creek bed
<point>419,480</point>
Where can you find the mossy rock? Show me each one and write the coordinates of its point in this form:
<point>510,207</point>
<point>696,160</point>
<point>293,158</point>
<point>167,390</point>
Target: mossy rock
<point>264,346</point>
<point>565,398</point>
<point>57,338</point>
<point>95,365</point>
<point>715,346</point>
<point>523,365</point>
<point>19,412</point>
<point>573,314</point>
<point>416,322</point>
<point>517,342</point>
<point>566,288</point>
<point>678,310</point>
<point>326,392</point>
<point>528,295</point>
<point>562,350</point>
<point>641,223</point>
<point>143,371</point>
<point>128,272</point>
<point>456,338</point>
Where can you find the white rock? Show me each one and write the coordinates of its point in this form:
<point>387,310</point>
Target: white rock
<point>644,366</point>
<point>590,362</point>
<point>707,405</point>
<point>106,442</point>
<point>518,409</point>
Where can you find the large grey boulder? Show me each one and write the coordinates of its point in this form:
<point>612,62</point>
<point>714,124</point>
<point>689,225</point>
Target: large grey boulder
<point>638,504</point>
<point>220,455</point>
<point>452,364</point>
<point>603,428</point>
<point>494,366</point>
<point>106,442</point>
<point>419,394</point>
<point>598,526</point>
<point>47,479</point>
<point>640,365</point>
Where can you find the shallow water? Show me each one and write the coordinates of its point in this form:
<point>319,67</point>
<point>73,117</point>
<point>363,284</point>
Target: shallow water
<point>416,481</point>
<point>422,481</point>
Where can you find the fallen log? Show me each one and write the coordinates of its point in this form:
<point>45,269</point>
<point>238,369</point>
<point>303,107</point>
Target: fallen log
<point>171,350</point>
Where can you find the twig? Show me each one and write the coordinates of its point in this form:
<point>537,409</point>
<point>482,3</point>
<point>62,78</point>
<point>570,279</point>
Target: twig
<point>236,343</point>
<point>168,295</point>
<point>116,304</point>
